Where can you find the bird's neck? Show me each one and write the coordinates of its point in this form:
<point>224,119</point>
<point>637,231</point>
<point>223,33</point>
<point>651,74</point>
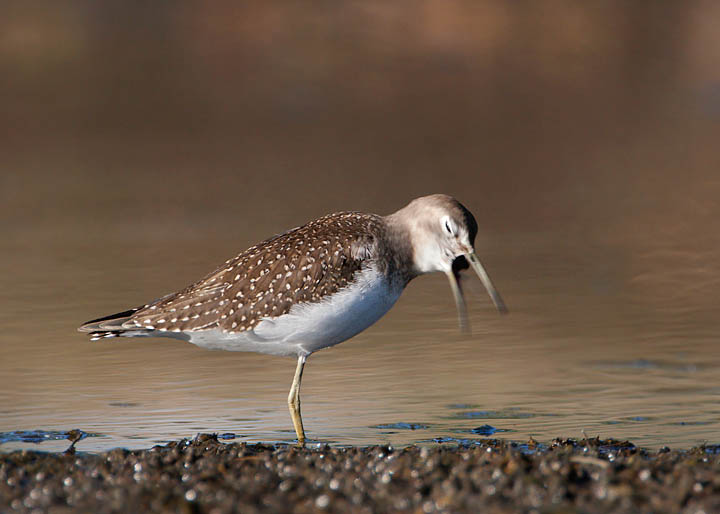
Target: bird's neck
<point>398,249</point>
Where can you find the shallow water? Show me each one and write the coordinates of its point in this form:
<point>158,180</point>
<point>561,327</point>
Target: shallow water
<point>584,139</point>
<point>566,359</point>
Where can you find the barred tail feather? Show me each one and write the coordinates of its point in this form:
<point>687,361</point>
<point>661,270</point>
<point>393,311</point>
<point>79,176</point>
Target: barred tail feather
<point>113,326</point>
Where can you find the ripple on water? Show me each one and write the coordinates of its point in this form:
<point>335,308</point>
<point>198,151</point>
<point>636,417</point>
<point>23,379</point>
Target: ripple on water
<point>487,414</point>
<point>712,449</point>
<point>401,426</point>
<point>461,406</point>
<point>629,419</point>
<point>644,364</point>
<point>124,404</point>
<point>485,430</point>
<point>689,423</point>
<point>39,436</point>
<point>456,440</point>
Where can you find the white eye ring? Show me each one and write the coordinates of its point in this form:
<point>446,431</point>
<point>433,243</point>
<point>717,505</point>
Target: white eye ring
<point>449,226</point>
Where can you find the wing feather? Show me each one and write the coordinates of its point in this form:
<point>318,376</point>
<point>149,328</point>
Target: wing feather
<point>305,264</point>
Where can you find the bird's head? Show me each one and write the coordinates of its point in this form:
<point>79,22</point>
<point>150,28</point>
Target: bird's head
<point>442,235</point>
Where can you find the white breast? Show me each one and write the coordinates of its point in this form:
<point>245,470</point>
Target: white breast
<point>309,327</point>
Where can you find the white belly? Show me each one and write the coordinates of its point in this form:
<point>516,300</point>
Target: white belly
<point>309,327</point>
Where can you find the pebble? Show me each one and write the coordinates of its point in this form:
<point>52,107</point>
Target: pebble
<point>208,475</point>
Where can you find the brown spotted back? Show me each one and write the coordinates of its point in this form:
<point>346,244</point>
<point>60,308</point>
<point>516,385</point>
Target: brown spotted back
<point>302,265</point>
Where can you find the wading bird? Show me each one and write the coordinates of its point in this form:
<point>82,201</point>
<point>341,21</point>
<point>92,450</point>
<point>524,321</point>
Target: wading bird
<point>313,286</point>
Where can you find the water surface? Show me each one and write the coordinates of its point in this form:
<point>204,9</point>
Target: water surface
<point>138,156</point>
<point>582,349</point>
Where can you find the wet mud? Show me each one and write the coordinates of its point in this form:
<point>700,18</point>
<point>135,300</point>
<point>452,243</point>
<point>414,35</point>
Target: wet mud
<point>208,475</point>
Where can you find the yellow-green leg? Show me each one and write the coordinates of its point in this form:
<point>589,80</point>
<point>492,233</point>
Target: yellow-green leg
<point>294,401</point>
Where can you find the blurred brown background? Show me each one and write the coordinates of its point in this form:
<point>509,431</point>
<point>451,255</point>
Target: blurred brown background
<point>584,133</point>
<point>604,115</point>
<point>151,120</point>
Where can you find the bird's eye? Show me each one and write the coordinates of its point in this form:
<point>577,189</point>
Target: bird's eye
<point>448,227</point>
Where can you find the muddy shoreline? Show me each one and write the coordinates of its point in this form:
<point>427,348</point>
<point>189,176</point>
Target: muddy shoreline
<point>207,475</point>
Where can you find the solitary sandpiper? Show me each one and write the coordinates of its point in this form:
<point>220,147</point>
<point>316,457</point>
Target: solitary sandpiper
<point>313,286</point>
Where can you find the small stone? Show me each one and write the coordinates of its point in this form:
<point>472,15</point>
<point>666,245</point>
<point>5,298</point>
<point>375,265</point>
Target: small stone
<point>322,501</point>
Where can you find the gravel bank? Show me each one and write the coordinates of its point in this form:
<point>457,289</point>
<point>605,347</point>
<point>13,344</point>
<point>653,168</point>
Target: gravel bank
<point>205,475</point>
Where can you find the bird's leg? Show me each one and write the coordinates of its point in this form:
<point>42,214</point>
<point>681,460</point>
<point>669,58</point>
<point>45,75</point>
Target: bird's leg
<point>294,401</point>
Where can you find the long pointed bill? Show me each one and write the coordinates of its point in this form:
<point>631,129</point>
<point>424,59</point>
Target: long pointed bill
<point>482,274</point>
<point>459,302</point>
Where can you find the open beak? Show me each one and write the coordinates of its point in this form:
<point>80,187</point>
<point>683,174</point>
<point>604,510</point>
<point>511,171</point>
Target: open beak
<point>454,276</point>
<point>485,279</point>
